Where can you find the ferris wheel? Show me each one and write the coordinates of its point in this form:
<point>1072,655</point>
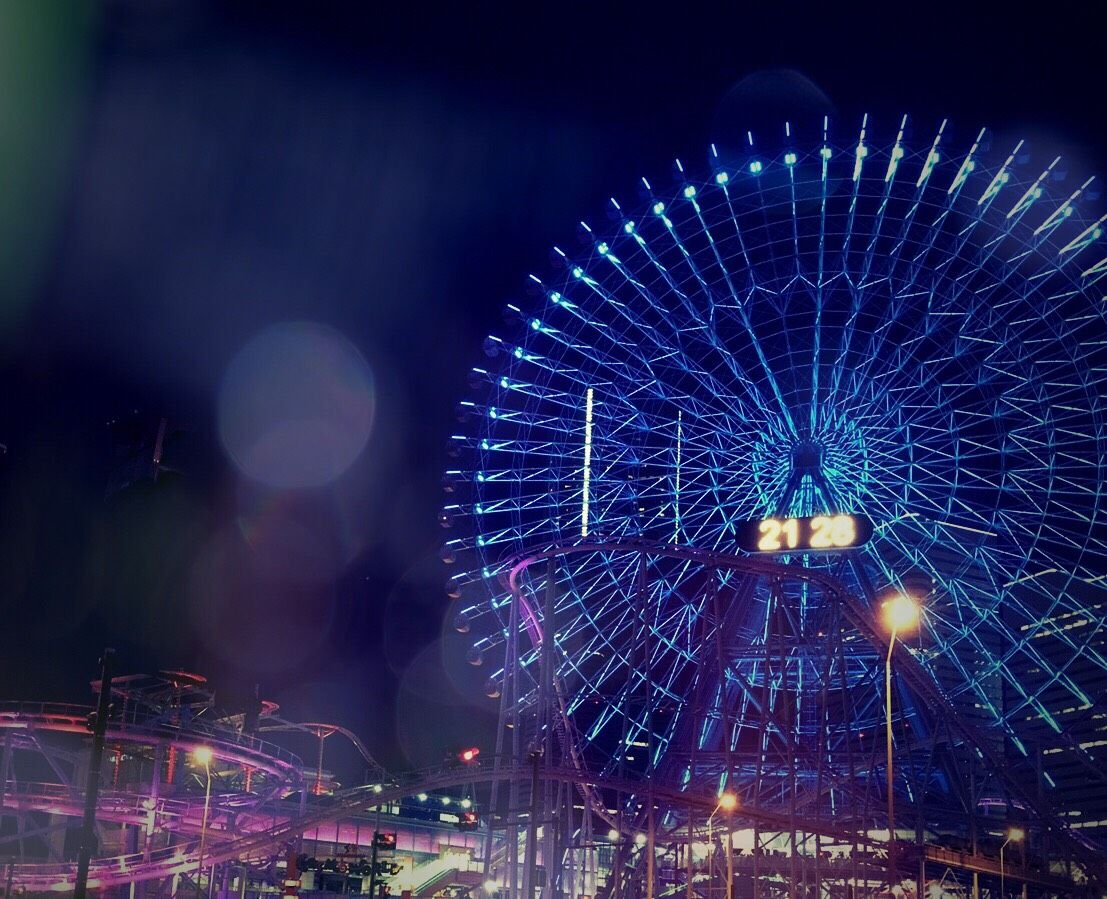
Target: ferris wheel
<point>912,334</point>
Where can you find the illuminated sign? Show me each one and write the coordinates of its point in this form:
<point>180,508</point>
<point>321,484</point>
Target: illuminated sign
<point>816,533</point>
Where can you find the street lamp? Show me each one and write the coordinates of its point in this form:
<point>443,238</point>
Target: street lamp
<point>901,614</point>
<point>727,803</point>
<point>1014,835</point>
<point>203,755</point>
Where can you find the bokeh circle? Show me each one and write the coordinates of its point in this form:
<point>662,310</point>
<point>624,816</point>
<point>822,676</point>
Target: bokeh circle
<point>296,406</point>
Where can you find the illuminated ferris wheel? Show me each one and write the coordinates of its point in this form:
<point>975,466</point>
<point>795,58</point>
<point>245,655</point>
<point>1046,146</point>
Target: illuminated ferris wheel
<point>912,334</point>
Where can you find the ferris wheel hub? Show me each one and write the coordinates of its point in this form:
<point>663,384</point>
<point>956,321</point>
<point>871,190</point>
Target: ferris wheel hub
<point>807,457</point>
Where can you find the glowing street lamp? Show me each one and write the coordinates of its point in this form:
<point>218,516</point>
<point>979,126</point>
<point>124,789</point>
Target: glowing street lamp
<point>901,614</point>
<point>1014,835</point>
<point>203,755</point>
<point>727,803</point>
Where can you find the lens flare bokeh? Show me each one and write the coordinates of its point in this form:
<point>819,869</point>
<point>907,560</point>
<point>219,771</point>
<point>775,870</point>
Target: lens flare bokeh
<point>296,406</point>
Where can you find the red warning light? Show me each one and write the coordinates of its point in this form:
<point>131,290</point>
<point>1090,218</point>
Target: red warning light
<point>469,755</point>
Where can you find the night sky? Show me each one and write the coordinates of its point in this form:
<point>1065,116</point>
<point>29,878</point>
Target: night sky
<point>176,178</point>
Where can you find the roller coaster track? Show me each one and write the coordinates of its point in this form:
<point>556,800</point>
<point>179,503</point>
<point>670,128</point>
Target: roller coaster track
<point>376,770</point>
<point>861,617</point>
<point>229,814</point>
<point>264,842</point>
<point>235,828</point>
<point>237,832</point>
<point>242,749</point>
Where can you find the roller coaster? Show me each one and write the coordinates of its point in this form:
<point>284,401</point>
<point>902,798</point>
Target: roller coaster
<point>151,817</point>
<point>543,811</point>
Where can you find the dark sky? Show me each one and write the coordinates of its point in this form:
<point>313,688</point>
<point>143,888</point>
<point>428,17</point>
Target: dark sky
<point>175,177</point>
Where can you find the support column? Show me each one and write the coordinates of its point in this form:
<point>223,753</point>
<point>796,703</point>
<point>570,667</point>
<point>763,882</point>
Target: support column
<point>688,850</point>
<point>617,861</point>
<point>92,789</point>
<point>512,859</point>
<point>545,720</point>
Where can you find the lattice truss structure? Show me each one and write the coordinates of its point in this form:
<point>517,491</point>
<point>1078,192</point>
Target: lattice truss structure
<point>904,330</point>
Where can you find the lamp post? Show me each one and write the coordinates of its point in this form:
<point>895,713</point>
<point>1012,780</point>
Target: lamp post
<point>1014,835</point>
<point>901,615</point>
<point>728,802</point>
<point>203,755</point>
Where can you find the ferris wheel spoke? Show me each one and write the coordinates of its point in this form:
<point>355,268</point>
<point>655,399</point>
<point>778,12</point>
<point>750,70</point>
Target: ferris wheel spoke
<point>712,385</point>
<point>992,599</point>
<point>699,328</point>
<point>985,664</point>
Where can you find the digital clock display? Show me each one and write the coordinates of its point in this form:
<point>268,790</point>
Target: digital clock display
<point>815,533</point>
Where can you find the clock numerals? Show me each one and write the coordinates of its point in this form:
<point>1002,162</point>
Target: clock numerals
<point>769,529</point>
<point>778,535</point>
<point>832,531</point>
<point>820,532</point>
